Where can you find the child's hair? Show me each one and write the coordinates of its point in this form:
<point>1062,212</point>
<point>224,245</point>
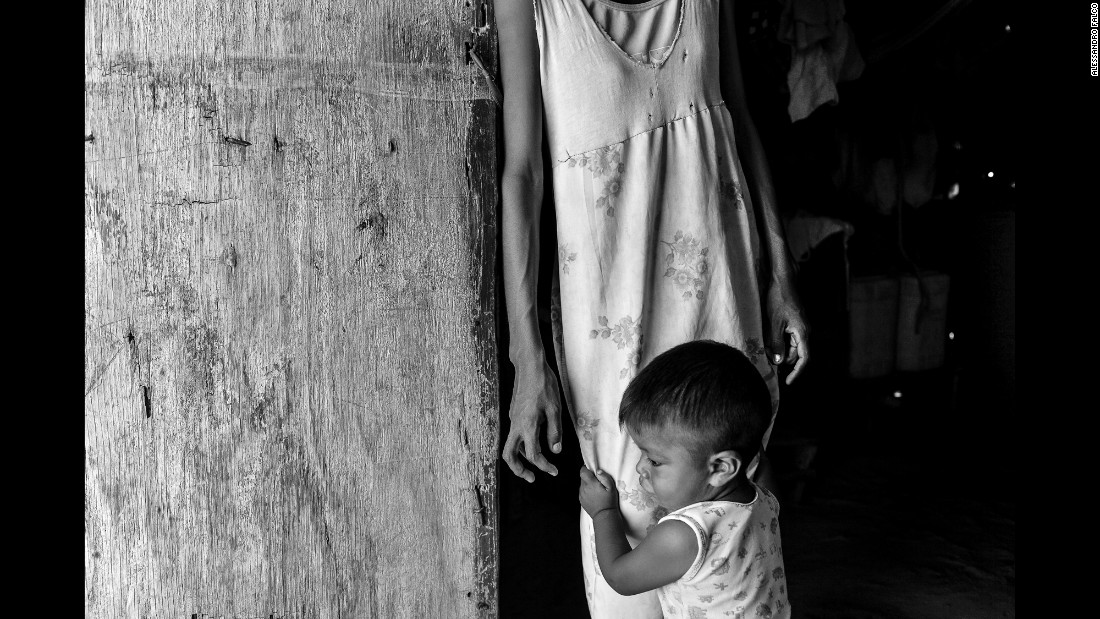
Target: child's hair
<point>708,389</point>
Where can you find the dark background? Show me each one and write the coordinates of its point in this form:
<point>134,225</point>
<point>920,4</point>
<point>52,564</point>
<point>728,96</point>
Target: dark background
<point>896,490</point>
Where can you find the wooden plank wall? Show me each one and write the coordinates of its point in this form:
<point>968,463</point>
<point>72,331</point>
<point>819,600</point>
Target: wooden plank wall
<point>290,376</point>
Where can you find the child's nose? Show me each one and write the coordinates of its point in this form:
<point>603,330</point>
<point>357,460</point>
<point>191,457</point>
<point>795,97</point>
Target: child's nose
<point>641,467</point>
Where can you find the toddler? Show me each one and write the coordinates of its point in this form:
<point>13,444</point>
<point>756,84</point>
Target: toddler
<point>698,413</point>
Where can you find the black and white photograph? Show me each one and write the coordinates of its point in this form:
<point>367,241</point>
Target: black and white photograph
<point>541,309</point>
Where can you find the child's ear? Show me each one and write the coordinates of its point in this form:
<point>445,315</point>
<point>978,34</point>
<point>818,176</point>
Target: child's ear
<point>724,466</point>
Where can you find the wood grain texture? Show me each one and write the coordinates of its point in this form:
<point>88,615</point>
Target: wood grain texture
<point>290,380</point>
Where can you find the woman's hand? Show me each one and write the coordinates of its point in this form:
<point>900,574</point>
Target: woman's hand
<point>535,401</point>
<point>597,492</point>
<point>787,333</point>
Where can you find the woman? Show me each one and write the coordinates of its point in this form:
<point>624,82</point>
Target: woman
<point>662,237</point>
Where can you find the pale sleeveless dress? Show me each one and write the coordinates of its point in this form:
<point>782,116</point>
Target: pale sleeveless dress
<point>657,242</point>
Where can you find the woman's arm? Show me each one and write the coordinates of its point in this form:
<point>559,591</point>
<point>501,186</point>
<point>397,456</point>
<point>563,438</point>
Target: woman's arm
<point>784,313</point>
<point>535,394</point>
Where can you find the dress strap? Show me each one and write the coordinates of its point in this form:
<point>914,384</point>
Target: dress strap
<point>554,19</point>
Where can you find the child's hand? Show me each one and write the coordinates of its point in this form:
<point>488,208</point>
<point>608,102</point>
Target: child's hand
<point>597,492</point>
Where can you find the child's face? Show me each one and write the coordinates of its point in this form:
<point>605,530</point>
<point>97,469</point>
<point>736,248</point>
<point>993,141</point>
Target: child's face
<point>668,470</point>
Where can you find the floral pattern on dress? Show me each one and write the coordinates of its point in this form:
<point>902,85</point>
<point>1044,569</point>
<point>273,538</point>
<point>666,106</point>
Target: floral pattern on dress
<point>638,498</point>
<point>658,513</point>
<point>627,334</point>
<point>731,190</point>
<point>754,347</point>
<point>606,165</point>
<point>586,423</point>
<point>555,317</point>
<point>686,264</point>
<point>694,612</point>
<point>565,256</point>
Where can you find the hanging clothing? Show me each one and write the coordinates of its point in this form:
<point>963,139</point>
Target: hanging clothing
<point>657,240</point>
<point>871,171</point>
<point>823,53</point>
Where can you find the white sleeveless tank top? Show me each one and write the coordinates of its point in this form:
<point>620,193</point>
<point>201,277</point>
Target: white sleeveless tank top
<point>644,31</point>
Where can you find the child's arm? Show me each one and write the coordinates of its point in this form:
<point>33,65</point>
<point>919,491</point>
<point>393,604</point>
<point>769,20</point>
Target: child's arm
<point>662,557</point>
